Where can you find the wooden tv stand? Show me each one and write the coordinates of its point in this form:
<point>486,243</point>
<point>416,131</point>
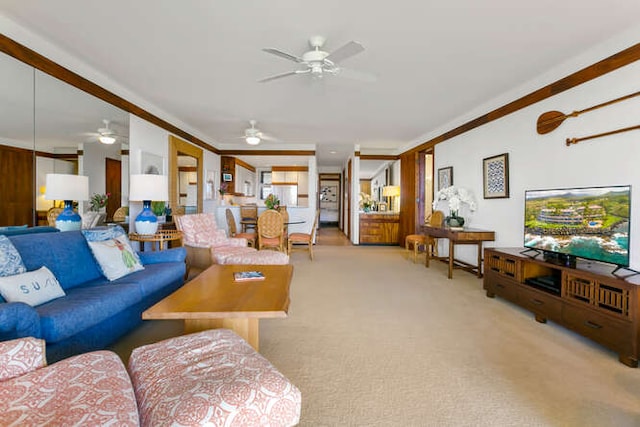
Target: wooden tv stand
<point>589,300</point>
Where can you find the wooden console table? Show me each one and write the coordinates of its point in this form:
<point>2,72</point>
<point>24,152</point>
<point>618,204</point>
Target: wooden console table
<point>467,236</point>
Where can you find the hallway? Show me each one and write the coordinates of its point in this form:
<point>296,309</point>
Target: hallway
<point>331,236</point>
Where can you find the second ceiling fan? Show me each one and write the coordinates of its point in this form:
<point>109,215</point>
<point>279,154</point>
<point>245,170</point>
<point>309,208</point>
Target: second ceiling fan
<point>318,62</point>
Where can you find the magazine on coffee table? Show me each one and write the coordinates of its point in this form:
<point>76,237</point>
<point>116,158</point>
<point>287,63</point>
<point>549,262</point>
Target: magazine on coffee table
<point>243,276</point>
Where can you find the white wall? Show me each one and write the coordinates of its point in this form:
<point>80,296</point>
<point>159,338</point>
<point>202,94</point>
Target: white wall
<point>544,161</point>
<point>212,167</point>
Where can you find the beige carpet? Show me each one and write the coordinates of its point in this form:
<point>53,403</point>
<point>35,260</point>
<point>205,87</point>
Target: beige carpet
<point>375,340</point>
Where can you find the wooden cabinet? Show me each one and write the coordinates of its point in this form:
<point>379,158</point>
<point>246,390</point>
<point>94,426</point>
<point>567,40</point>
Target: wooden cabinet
<point>379,228</point>
<point>586,299</point>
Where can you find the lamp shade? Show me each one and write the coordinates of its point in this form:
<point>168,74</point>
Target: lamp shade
<point>391,191</point>
<point>67,187</point>
<point>148,187</point>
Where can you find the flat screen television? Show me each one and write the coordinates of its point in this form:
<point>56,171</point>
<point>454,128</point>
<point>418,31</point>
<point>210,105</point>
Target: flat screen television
<point>591,223</point>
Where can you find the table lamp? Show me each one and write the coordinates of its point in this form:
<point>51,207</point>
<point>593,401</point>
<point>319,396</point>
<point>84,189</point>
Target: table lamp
<point>68,188</point>
<point>145,188</point>
<point>390,192</point>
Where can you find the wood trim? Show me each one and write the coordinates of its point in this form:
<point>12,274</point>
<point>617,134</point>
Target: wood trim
<point>289,169</point>
<point>176,145</point>
<point>267,152</point>
<point>356,153</point>
<point>283,183</point>
<point>329,177</point>
<point>44,64</point>
<point>187,169</point>
<point>591,72</point>
<point>124,152</point>
<point>245,165</point>
<point>378,157</point>
<point>58,156</point>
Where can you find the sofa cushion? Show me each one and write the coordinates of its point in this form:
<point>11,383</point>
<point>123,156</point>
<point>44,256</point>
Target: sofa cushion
<point>66,254</point>
<point>84,307</point>
<point>214,378</point>
<point>10,259</point>
<point>112,250</point>
<point>155,277</point>
<point>17,357</point>
<point>89,389</point>
<point>33,288</point>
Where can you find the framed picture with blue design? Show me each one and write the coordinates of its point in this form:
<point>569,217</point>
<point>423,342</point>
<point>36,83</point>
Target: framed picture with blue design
<point>495,171</point>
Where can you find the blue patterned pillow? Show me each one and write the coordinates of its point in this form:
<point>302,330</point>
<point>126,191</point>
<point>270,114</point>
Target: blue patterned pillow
<point>10,259</point>
<point>111,248</point>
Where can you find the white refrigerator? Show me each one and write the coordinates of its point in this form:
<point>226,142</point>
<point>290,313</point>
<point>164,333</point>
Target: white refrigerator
<point>287,194</point>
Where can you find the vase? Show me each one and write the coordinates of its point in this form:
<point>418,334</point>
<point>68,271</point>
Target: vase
<point>453,220</point>
<point>366,209</point>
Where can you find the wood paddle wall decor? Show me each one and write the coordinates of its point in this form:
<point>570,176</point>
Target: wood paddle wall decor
<point>550,120</point>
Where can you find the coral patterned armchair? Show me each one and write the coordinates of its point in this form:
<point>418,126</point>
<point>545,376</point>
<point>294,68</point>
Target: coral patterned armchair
<point>207,244</point>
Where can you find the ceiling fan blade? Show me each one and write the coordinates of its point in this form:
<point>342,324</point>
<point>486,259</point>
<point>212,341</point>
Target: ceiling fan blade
<point>269,138</point>
<point>356,75</point>
<point>279,76</point>
<point>284,55</point>
<point>348,50</point>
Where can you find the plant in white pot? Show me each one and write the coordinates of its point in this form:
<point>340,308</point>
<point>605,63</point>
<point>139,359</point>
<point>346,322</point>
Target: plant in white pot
<point>455,197</point>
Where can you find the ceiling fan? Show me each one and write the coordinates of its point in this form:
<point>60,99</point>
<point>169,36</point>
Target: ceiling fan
<point>253,136</point>
<point>318,62</point>
<point>106,135</point>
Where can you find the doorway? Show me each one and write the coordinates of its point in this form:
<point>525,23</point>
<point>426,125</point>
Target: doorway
<point>113,186</point>
<point>177,149</point>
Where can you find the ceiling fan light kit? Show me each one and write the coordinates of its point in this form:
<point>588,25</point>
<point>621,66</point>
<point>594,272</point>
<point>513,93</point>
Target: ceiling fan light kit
<point>252,140</point>
<point>106,139</point>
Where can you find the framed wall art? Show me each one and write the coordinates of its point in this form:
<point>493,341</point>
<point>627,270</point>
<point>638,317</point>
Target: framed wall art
<point>495,174</point>
<point>151,164</point>
<point>227,177</point>
<point>445,177</point>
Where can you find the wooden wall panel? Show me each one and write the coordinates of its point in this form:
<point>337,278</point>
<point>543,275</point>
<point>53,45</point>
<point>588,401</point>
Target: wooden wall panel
<point>408,193</point>
<point>16,186</point>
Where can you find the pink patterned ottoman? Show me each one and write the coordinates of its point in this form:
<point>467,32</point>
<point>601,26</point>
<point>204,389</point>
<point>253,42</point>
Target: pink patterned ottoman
<point>89,389</point>
<point>210,378</point>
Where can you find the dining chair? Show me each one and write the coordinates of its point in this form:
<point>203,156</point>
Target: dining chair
<point>271,230</point>
<point>304,238</point>
<point>52,214</point>
<point>248,217</point>
<point>121,214</point>
<point>233,232</point>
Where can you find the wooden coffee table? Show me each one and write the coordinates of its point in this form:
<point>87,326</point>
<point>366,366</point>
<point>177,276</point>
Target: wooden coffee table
<point>215,300</point>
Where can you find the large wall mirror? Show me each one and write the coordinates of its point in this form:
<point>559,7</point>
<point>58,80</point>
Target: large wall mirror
<point>185,176</point>
<point>48,126</point>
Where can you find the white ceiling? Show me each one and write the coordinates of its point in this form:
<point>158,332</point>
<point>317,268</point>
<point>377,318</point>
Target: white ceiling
<point>200,60</point>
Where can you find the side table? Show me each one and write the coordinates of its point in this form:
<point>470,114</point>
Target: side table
<point>159,238</point>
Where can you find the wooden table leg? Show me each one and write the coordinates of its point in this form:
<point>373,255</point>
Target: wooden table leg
<point>480,259</point>
<point>451,251</point>
<point>247,327</point>
<point>428,257</point>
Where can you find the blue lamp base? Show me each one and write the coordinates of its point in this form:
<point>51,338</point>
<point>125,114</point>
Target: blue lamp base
<point>146,221</point>
<point>68,220</point>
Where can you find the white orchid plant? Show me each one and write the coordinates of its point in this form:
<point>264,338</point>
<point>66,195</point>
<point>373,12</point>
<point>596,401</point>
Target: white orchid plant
<point>456,197</point>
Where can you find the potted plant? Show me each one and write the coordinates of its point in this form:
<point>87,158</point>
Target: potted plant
<point>272,202</point>
<point>98,201</point>
<point>455,197</point>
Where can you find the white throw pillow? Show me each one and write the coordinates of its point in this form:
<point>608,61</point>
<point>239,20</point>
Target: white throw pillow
<point>116,257</point>
<point>33,288</point>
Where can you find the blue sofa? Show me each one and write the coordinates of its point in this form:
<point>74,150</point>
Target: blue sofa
<point>95,312</point>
